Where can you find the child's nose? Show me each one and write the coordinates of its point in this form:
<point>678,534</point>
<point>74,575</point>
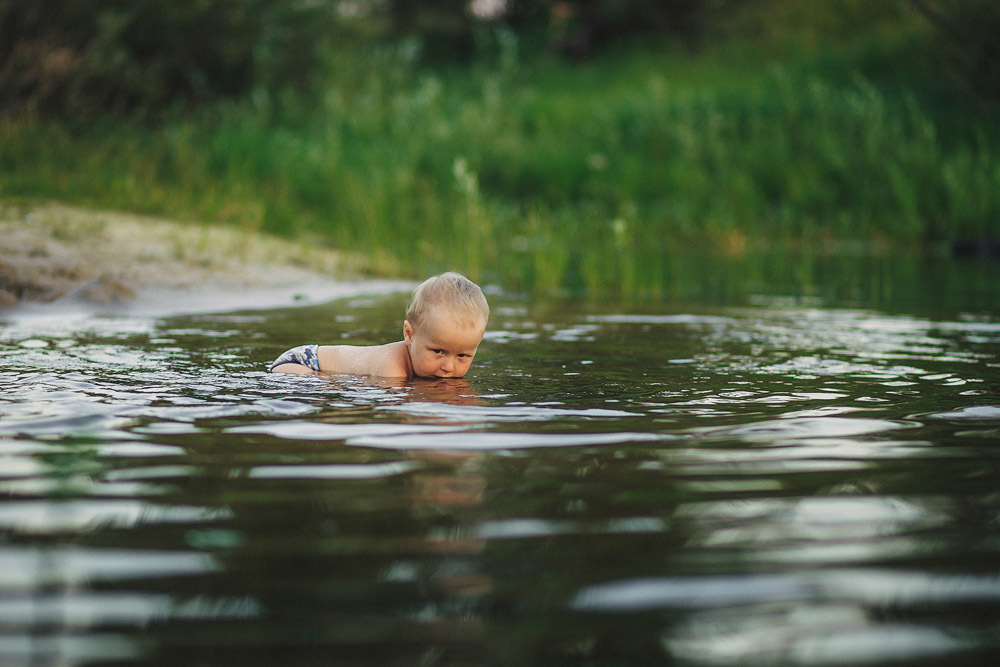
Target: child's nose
<point>447,366</point>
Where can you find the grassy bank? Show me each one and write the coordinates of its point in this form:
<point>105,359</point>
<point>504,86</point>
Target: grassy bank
<point>552,175</point>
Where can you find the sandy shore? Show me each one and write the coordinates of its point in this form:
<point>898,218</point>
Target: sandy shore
<point>54,256</point>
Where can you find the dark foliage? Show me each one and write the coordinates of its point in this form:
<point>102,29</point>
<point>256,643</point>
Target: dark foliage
<point>967,31</point>
<point>90,57</point>
<point>571,28</point>
<point>83,59</point>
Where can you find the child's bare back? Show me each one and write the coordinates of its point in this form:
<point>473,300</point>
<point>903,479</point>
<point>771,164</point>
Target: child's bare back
<point>444,325</point>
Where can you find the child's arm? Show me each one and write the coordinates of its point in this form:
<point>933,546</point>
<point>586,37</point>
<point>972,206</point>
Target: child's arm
<point>298,369</point>
<point>390,360</point>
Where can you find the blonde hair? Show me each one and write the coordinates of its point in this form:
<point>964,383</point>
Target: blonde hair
<point>454,291</point>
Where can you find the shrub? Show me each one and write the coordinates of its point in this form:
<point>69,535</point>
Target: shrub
<point>84,58</point>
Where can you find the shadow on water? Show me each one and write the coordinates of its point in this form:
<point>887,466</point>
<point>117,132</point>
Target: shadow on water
<point>845,275</point>
<point>775,477</point>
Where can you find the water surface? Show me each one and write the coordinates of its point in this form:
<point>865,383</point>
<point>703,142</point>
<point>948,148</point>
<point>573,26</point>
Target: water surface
<point>778,479</point>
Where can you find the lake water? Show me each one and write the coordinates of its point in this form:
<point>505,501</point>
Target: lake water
<point>750,475</point>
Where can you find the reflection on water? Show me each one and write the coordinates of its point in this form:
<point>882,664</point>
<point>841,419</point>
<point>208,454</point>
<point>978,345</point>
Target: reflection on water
<point>769,484</point>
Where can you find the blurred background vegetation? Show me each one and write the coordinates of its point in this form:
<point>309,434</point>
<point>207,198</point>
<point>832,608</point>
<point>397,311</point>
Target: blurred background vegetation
<point>541,144</point>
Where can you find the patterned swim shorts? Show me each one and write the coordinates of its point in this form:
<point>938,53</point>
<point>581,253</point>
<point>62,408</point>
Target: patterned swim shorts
<point>304,355</point>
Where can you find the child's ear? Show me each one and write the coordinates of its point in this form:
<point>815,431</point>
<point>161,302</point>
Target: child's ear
<point>407,331</point>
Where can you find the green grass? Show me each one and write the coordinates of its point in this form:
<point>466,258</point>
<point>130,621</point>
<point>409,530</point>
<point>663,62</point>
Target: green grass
<point>551,176</point>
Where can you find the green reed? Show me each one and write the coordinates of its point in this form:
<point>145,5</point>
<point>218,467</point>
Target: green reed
<point>545,177</point>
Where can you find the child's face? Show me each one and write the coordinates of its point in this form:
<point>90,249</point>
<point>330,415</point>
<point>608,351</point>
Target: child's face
<point>442,346</point>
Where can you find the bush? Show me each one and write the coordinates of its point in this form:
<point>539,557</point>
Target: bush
<point>576,29</point>
<point>967,31</point>
<point>84,58</point>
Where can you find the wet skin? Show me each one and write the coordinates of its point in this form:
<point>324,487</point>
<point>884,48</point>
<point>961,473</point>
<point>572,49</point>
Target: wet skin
<point>443,345</point>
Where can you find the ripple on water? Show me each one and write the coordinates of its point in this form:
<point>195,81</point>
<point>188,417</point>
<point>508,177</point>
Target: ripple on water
<point>466,440</point>
<point>820,617</point>
<point>51,517</point>
<point>797,428</point>
<point>89,609</point>
<point>80,566</point>
<point>445,437</point>
<point>881,587</point>
<point>503,413</point>
<point>307,430</point>
<point>333,471</point>
<point>971,413</point>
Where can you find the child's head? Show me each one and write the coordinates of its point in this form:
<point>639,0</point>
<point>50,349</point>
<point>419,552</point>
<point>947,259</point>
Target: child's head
<point>444,325</point>
<point>452,294</point>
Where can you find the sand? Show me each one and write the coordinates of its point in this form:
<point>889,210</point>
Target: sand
<point>55,257</point>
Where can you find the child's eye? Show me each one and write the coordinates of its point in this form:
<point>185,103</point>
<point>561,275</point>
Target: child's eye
<point>438,351</point>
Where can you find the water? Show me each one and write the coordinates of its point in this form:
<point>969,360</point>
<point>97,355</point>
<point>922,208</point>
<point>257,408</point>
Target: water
<point>770,480</point>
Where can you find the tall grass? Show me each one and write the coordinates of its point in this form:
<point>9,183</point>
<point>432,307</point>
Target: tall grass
<point>549,177</point>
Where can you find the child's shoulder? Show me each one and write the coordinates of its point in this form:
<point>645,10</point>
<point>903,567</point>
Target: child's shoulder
<point>393,360</point>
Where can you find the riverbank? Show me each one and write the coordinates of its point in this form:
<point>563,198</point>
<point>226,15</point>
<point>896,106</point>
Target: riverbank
<point>598,179</point>
<point>54,256</point>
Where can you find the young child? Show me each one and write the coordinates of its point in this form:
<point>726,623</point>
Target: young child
<point>444,325</point>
